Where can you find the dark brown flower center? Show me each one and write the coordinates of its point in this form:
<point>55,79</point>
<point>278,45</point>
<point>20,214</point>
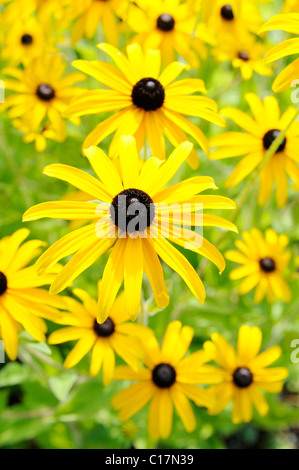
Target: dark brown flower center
<point>26,39</point>
<point>164,375</point>
<point>132,210</point>
<point>269,138</point>
<point>243,55</point>
<point>148,94</point>
<point>3,283</point>
<point>268,265</point>
<point>45,92</point>
<point>165,22</point>
<point>227,12</point>
<point>104,329</point>
<point>242,377</point>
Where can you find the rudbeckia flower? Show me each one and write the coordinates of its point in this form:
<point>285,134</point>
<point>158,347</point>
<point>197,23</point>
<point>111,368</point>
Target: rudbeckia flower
<point>27,40</point>
<point>245,374</point>
<point>88,14</point>
<point>290,23</point>
<point>166,25</point>
<point>22,303</point>
<point>263,261</point>
<point>231,19</point>
<point>259,135</point>
<point>136,246</point>
<point>149,103</point>
<point>39,136</point>
<point>167,381</point>
<point>115,335</point>
<point>245,54</point>
<point>41,91</point>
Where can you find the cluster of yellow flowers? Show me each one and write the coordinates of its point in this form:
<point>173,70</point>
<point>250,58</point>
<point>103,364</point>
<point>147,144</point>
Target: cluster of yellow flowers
<point>149,106</point>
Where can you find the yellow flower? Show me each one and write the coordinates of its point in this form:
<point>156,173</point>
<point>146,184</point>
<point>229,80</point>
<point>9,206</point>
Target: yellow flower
<point>245,374</point>
<point>41,91</point>
<point>150,103</point>
<point>167,381</point>
<point>22,303</point>
<point>90,13</point>
<point>136,243</point>
<point>166,25</point>
<point>290,23</point>
<point>115,335</point>
<point>260,133</point>
<point>263,261</point>
<point>231,19</point>
<point>246,54</point>
<point>27,40</point>
<point>39,136</point>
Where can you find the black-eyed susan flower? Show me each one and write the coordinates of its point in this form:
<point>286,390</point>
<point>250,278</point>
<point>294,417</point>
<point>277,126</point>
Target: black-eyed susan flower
<point>88,14</point>
<point>149,103</point>
<point>136,243</point>
<point>40,91</point>
<point>290,23</point>
<point>245,374</point>
<point>258,137</point>
<point>167,381</point>
<point>26,40</point>
<point>41,135</point>
<point>165,25</point>
<point>263,260</point>
<point>245,54</point>
<point>231,19</point>
<point>115,335</point>
<point>23,305</point>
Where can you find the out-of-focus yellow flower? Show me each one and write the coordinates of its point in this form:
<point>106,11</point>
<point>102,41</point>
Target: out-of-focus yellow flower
<point>22,303</point>
<point>263,260</point>
<point>88,14</point>
<point>231,20</point>
<point>245,54</point>
<point>115,335</point>
<point>26,40</point>
<point>166,25</point>
<point>258,137</point>
<point>245,374</point>
<point>167,381</point>
<point>40,136</point>
<point>150,103</point>
<point>290,23</point>
<point>41,92</point>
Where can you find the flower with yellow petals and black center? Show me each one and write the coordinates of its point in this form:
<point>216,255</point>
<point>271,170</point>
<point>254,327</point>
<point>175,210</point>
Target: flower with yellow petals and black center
<point>130,212</point>
<point>115,336</point>
<point>230,22</point>
<point>41,92</point>
<point>149,102</point>
<point>245,374</point>
<point>23,305</point>
<point>168,26</point>
<point>263,260</point>
<point>259,135</point>
<point>167,380</point>
<point>245,54</point>
<point>26,39</point>
<point>288,22</point>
